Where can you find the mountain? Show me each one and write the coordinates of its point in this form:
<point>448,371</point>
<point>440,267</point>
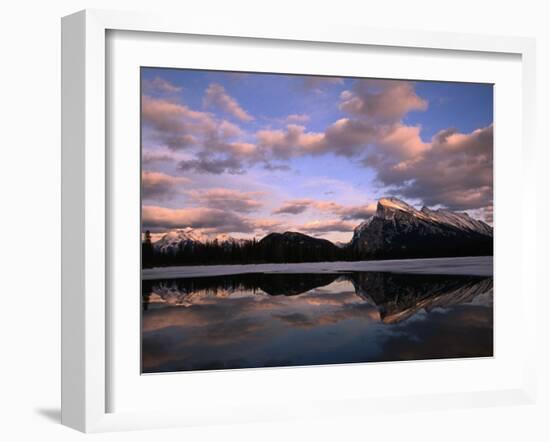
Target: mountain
<point>398,230</point>
<point>399,296</point>
<point>170,241</point>
<point>296,247</point>
<point>189,238</point>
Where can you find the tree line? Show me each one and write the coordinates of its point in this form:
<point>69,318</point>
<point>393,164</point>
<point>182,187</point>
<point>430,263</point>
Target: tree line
<point>242,252</point>
<point>275,248</point>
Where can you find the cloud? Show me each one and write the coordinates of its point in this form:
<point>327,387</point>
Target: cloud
<point>294,207</point>
<point>345,137</point>
<point>381,100</point>
<point>209,220</point>
<point>297,118</point>
<point>227,199</point>
<point>323,226</point>
<point>159,185</point>
<point>455,170</point>
<point>402,141</point>
<point>160,86</point>
<point>229,130</point>
<point>217,144</point>
<point>216,96</point>
<point>150,158</point>
<point>317,84</point>
<point>268,225</point>
<point>215,220</point>
<point>357,212</point>
<point>331,313</point>
<point>220,146</point>
<point>452,169</point>
<point>175,125</point>
<point>275,166</point>
<point>211,165</point>
<point>298,206</point>
<point>348,137</point>
<point>291,142</point>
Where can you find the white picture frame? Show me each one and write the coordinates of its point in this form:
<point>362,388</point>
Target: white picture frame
<point>85,201</point>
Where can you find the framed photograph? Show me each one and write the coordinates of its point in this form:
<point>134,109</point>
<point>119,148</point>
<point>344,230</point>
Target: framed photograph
<point>267,238</point>
<point>263,221</point>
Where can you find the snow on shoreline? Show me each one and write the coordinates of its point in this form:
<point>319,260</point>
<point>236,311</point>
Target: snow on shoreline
<point>470,265</point>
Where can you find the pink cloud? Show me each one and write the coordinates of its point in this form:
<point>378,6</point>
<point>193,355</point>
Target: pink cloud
<point>381,100</point>
<point>229,130</point>
<point>227,199</point>
<point>216,96</point>
<point>455,170</point>
<point>159,185</point>
<point>160,85</point>
<point>175,125</point>
<point>263,226</point>
<point>216,142</point>
<point>208,220</point>
<point>290,142</point>
<point>322,226</point>
<point>216,220</point>
<point>402,140</point>
<point>220,147</point>
<point>159,111</point>
<point>298,206</point>
<point>297,118</point>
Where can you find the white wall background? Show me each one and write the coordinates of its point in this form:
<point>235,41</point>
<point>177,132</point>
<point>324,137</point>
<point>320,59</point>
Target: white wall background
<point>30,219</point>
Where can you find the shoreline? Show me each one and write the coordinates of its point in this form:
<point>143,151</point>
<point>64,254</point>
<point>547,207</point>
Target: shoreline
<point>468,265</point>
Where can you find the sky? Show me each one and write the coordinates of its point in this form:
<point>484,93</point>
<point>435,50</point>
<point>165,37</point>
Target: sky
<point>246,154</point>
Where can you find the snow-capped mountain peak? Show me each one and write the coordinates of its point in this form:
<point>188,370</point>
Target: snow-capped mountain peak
<point>459,220</point>
<point>177,238</point>
<point>400,230</point>
<point>387,207</point>
<point>395,203</point>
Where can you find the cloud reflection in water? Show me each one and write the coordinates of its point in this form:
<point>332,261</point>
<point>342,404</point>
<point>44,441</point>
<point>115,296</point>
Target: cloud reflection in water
<point>270,319</point>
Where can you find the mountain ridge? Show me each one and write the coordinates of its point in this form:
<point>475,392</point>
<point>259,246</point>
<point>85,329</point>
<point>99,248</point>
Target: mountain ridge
<point>174,239</point>
<point>395,230</point>
<point>398,230</point>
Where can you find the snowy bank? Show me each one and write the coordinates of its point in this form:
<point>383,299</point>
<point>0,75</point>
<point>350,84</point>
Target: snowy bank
<point>474,265</point>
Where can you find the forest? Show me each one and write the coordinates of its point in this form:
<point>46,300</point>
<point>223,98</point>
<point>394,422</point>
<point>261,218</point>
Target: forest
<point>268,250</point>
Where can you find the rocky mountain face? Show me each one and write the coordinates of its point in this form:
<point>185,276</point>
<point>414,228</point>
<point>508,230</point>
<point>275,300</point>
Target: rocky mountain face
<point>398,230</point>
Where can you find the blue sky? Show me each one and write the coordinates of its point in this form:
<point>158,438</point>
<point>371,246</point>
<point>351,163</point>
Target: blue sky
<point>245,154</point>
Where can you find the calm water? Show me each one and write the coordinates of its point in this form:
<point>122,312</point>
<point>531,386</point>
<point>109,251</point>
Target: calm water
<point>273,319</point>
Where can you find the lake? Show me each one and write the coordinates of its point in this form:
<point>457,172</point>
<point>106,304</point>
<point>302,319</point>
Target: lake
<point>271,319</point>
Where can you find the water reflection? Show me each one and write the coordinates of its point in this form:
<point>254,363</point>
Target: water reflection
<point>273,319</point>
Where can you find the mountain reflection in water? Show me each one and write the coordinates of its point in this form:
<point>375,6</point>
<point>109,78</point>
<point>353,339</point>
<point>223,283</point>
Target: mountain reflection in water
<point>274,319</point>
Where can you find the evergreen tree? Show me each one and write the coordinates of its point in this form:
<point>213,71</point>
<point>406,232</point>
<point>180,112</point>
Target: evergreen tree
<point>147,252</point>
